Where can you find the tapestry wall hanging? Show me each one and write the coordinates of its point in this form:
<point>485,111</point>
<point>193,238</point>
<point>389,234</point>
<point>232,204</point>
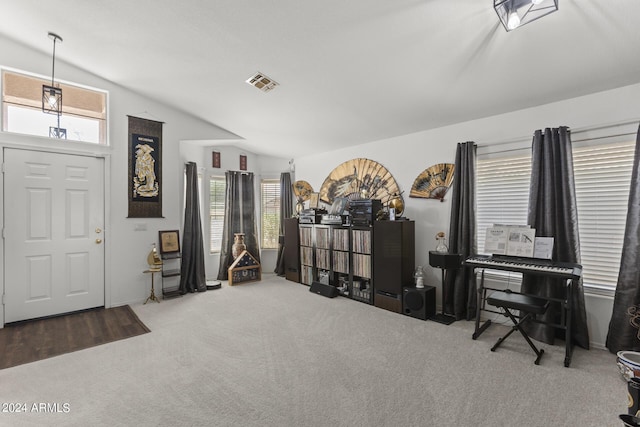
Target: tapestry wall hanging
<point>433,182</point>
<point>360,179</point>
<point>145,168</point>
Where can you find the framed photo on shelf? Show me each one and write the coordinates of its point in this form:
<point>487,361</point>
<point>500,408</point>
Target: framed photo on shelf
<point>314,198</point>
<point>169,242</point>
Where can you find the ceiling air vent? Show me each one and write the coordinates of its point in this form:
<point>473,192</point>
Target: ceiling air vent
<point>262,82</point>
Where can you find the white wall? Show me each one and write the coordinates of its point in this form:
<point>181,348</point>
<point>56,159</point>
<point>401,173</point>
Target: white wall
<point>404,156</point>
<point>407,156</point>
<point>263,167</point>
<point>126,249</point>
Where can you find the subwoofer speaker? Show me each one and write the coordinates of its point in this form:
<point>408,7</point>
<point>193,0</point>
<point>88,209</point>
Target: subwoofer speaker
<point>419,302</point>
<point>325,290</point>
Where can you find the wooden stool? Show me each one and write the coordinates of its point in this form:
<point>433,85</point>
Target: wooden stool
<point>508,300</point>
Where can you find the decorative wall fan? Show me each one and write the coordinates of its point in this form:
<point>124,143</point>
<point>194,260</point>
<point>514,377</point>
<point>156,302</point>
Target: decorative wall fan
<point>433,182</point>
<point>302,190</point>
<point>360,179</point>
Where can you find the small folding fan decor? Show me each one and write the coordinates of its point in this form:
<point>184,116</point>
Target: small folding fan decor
<point>302,190</point>
<point>433,182</point>
<point>360,179</point>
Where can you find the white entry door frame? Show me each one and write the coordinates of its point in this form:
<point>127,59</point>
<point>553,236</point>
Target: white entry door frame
<point>54,254</point>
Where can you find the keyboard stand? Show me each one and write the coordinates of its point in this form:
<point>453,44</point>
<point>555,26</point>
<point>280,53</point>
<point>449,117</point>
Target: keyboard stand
<point>565,304</point>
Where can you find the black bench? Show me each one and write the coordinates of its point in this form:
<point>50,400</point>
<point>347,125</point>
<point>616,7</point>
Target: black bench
<point>529,306</point>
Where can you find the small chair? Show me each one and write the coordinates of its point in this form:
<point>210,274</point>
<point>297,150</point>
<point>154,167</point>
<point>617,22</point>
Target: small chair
<point>532,306</point>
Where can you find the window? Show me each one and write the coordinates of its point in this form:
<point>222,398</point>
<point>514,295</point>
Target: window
<point>217,190</point>
<point>602,177</point>
<point>270,190</point>
<point>84,111</point>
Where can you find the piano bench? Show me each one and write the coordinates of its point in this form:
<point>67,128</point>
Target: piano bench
<point>508,300</point>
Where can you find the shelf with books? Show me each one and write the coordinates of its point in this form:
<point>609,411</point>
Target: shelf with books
<point>359,259</point>
<point>307,265</point>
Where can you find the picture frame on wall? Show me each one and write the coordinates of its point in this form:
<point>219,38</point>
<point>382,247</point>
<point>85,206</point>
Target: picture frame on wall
<point>243,162</point>
<point>215,159</point>
<point>169,242</point>
<point>145,168</point>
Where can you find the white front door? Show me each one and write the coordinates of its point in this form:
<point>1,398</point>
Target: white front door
<point>53,246</point>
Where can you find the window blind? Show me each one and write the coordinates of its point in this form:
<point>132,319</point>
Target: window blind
<point>602,175</point>
<point>216,212</point>
<point>270,191</point>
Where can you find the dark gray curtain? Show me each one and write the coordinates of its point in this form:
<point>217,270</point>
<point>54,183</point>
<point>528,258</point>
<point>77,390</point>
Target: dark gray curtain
<point>553,213</point>
<point>192,272</point>
<point>461,284</point>
<point>286,211</point>
<point>239,217</point>
<point>625,320</point>
<point>249,224</point>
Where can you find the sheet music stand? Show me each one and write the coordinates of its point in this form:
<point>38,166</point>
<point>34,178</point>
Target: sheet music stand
<point>444,261</point>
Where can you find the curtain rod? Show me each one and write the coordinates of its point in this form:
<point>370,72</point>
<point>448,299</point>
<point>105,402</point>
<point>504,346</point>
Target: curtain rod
<point>573,132</point>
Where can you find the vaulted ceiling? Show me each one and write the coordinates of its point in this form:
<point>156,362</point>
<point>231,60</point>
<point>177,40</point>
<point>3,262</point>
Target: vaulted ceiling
<point>349,72</point>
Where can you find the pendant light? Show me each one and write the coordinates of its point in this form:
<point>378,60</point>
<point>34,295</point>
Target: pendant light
<point>516,13</point>
<point>52,95</point>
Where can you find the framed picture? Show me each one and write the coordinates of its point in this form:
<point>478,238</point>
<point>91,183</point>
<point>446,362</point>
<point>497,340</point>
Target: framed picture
<point>314,198</point>
<point>215,159</point>
<point>145,168</point>
<point>243,162</point>
<point>169,242</point>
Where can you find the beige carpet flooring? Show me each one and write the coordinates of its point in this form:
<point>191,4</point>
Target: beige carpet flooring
<point>271,353</point>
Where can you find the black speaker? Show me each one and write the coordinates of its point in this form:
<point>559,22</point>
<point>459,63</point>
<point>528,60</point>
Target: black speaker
<point>325,290</point>
<point>419,302</point>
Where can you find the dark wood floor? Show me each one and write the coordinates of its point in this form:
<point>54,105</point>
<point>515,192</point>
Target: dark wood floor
<point>34,340</point>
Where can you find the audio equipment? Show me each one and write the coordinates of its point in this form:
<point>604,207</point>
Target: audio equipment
<point>363,212</point>
<point>419,302</point>
<point>328,291</point>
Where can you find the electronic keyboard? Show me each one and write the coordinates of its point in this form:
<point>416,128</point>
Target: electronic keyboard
<point>544,267</point>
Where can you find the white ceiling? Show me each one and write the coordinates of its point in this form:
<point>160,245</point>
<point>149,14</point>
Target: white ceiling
<point>350,71</point>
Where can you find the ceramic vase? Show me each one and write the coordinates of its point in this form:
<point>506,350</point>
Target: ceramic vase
<point>238,245</point>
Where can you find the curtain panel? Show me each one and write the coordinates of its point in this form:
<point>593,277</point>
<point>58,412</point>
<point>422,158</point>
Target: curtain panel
<point>624,326</point>
<point>192,270</point>
<point>553,212</point>
<point>239,217</point>
<point>286,211</point>
<point>461,287</point>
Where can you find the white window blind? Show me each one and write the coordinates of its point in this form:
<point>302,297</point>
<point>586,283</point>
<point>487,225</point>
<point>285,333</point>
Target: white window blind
<point>502,192</point>
<point>217,190</point>
<point>270,190</point>
<point>602,176</point>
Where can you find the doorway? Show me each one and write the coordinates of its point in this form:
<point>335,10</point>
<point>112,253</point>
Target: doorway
<point>54,253</point>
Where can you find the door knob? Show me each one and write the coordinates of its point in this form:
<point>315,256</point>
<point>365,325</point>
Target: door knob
<point>98,230</point>
<point>98,241</point>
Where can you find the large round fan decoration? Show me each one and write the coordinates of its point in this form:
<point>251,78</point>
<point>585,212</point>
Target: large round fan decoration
<point>433,182</point>
<point>360,179</point>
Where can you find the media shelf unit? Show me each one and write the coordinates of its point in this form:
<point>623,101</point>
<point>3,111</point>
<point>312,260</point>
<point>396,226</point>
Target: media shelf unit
<point>370,264</point>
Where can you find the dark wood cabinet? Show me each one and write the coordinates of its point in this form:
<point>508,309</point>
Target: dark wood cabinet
<point>393,262</point>
<point>370,264</point>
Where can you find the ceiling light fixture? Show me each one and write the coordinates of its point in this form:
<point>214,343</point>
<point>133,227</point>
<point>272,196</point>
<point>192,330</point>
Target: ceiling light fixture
<point>52,95</point>
<point>516,13</point>
<point>262,82</point>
